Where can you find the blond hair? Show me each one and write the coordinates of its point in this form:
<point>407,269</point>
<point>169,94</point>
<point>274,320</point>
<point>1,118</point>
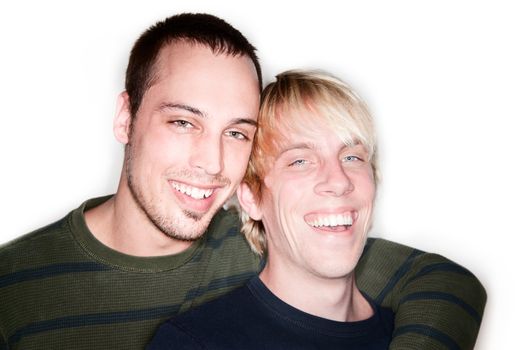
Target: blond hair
<point>302,100</point>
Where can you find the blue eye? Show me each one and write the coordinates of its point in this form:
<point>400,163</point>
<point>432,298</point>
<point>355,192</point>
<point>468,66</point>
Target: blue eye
<point>350,158</point>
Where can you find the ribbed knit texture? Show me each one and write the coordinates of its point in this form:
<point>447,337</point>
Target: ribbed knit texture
<point>62,289</point>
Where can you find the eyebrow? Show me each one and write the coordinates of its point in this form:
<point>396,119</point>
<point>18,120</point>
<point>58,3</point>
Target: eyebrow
<point>168,106</point>
<point>311,146</point>
<point>248,121</point>
<point>302,145</point>
<point>179,106</point>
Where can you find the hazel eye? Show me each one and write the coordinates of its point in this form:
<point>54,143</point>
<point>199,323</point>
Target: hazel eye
<point>237,135</point>
<point>182,124</point>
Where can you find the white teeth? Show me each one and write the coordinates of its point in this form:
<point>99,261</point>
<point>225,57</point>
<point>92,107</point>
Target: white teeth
<point>332,220</point>
<point>193,192</point>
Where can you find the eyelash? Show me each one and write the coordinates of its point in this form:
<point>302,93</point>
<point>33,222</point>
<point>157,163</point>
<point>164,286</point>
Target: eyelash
<point>238,135</point>
<point>298,162</point>
<point>353,158</point>
<point>182,124</point>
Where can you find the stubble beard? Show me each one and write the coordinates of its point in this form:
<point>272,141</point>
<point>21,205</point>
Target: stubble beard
<point>165,224</point>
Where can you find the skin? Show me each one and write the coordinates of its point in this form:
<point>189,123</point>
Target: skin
<point>311,268</point>
<point>186,151</point>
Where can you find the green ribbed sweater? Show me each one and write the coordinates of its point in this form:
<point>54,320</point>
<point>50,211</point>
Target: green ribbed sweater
<point>62,289</point>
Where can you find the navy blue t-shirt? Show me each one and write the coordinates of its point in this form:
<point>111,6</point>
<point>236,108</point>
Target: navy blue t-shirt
<point>252,317</point>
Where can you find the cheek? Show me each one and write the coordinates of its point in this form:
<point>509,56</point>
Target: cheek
<point>236,161</point>
<point>290,202</point>
<point>152,143</point>
<point>365,185</point>
<point>367,189</point>
<point>290,193</point>
<point>370,189</point>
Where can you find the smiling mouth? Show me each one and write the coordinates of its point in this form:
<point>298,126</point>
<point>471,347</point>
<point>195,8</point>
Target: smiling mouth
<point>193,192</point>
<point>330,220</point>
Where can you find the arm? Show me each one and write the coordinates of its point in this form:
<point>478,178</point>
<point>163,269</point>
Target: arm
<point>438,304</point>
<point>3,341</point>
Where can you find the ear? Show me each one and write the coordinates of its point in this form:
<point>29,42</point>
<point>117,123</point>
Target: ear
<point>122,120</point>
<point>248,202</point>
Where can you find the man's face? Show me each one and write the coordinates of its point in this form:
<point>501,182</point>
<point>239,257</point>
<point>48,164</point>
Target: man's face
<point>191,138</point>
<point>316,205</point>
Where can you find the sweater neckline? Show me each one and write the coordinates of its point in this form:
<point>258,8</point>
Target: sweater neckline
<point>311,322</point>
<point>108,256</point>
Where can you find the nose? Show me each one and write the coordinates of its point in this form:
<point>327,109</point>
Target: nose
<point>207,155</point>
<point>333,180</point>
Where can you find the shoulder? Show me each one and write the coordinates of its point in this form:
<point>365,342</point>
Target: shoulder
<point>417,261</point>
<point>209,325</point>
<point>39,234</point>
<point>381,246</point>
<point>386,319</point>
<point>224,236</point>
<point>49,242</point>
<point>170,336</point>
<point>39,244</point>
<point>225,223</point>
<point>387,260</point>
<point>223,310</point>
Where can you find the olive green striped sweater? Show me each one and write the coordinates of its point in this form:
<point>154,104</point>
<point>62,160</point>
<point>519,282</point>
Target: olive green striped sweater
<point>62,289</point>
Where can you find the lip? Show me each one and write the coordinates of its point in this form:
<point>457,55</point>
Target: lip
<point>312,215</point>
<point>201,205</point>
<point>200,186</point>
<point>342,214</point>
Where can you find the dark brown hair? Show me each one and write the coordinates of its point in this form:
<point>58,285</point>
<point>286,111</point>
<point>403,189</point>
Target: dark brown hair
<point>197,28</point>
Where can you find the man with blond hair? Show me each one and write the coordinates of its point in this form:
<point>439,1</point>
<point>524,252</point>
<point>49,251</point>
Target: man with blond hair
<point>307,200</point>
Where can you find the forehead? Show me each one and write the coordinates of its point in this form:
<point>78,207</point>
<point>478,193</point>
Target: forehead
<point>311,126</point>
<point>188,60</point>
<point>192,74</point>
<point>324,142</point>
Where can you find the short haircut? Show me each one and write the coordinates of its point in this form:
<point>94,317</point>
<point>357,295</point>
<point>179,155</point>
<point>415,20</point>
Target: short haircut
<point>302,100</point>
<point>195,28</point>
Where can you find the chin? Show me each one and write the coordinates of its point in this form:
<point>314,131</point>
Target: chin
<point>337,270</point>
<point>184,234</point>
<point>181,227</point>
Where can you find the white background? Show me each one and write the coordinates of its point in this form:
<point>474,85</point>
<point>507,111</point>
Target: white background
<point>445,81</point>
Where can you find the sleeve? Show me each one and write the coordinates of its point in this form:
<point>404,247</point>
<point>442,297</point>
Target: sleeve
<point>438,304</point>
<point>169,336</point>
<point>3,343</point>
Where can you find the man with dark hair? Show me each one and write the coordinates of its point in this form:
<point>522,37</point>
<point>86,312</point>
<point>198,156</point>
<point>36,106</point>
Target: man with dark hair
<point>106,275</point>
<point>216,34</point>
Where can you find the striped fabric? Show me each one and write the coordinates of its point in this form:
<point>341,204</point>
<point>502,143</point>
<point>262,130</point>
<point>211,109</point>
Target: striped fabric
<point>62,289</point>
<point>438,304</point>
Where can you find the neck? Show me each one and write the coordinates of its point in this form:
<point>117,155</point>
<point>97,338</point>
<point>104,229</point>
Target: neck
<point>121,224</point>
<point>336,299</point>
